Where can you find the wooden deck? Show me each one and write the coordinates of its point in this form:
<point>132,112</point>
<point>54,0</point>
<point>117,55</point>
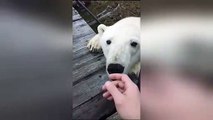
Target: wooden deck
<point>88,75</point>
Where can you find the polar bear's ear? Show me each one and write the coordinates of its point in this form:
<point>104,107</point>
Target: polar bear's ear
<point>101,28</point>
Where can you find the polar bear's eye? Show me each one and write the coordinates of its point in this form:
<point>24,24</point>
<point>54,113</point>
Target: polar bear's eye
<point>108,42</point>
<point>134,44</point>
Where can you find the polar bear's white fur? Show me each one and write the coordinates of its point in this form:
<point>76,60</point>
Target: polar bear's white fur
<point>120,44</point>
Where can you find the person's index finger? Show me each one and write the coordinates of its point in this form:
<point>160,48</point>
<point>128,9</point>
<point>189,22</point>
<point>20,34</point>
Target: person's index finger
<point>118,83</point>
<point>115,76</point>
<point>125,78</point>
<point>116,94</point>
<point>121,84</point>
<point>103,87</point>
<point>118,76</point>
<point>122,77</point>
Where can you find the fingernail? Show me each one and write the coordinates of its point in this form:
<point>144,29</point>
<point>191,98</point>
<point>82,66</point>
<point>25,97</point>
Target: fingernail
<point>104,94</point>
<point>103,87</point>
<point>107,83</point>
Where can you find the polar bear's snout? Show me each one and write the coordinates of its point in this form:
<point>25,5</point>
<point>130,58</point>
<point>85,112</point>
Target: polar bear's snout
<point>115,68</point>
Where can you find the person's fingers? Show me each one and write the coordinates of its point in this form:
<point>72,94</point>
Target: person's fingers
<point>118,76</point>
<point>111,88</point>
<point>110,98</point>
<point>121,85</point>
<point>123,77</point>
<point>121,90</point>
<point>115,76</point>
<point>118,84</point>
<point>106,94</point>
<point>104,88</point>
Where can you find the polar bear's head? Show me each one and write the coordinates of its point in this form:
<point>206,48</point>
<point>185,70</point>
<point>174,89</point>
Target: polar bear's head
<point>121,45</point>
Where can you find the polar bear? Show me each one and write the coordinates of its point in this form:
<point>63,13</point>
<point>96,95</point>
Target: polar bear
<point>120,44</point>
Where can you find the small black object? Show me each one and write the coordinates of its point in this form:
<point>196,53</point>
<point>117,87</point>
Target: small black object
<point>115,68</point>
<point>108,42</point>
<point>134,44</point>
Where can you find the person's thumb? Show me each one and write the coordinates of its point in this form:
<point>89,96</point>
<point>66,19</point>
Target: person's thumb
<point>113,90</point>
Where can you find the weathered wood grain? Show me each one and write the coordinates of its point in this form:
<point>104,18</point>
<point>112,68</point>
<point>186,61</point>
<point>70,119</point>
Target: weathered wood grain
<point>89,75</point>
<point>88,69</point>
<point>89,87</point>
<point>85,60</point>
<point>96,108</point>
<point>75,15</point>
<point>82,41</point>
<point>81,29</point>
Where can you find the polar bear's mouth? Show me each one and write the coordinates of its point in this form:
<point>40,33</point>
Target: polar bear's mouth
<point>115,68</point>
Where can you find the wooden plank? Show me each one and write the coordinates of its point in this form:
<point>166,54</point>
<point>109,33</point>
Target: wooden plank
<point>82,51</point>
<point>88,69</point>
<point>88,88</point>
<point>75,15</point>
<point>81,29</point>
<point>83,40</point>
<point>89,75</point>
<point>95,108</point>
<point>85,60</point>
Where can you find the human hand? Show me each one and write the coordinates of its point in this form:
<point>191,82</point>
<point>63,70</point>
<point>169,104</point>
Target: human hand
<point>125,94</point>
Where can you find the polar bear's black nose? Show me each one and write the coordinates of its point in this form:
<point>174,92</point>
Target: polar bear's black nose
<point>115,68</point>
